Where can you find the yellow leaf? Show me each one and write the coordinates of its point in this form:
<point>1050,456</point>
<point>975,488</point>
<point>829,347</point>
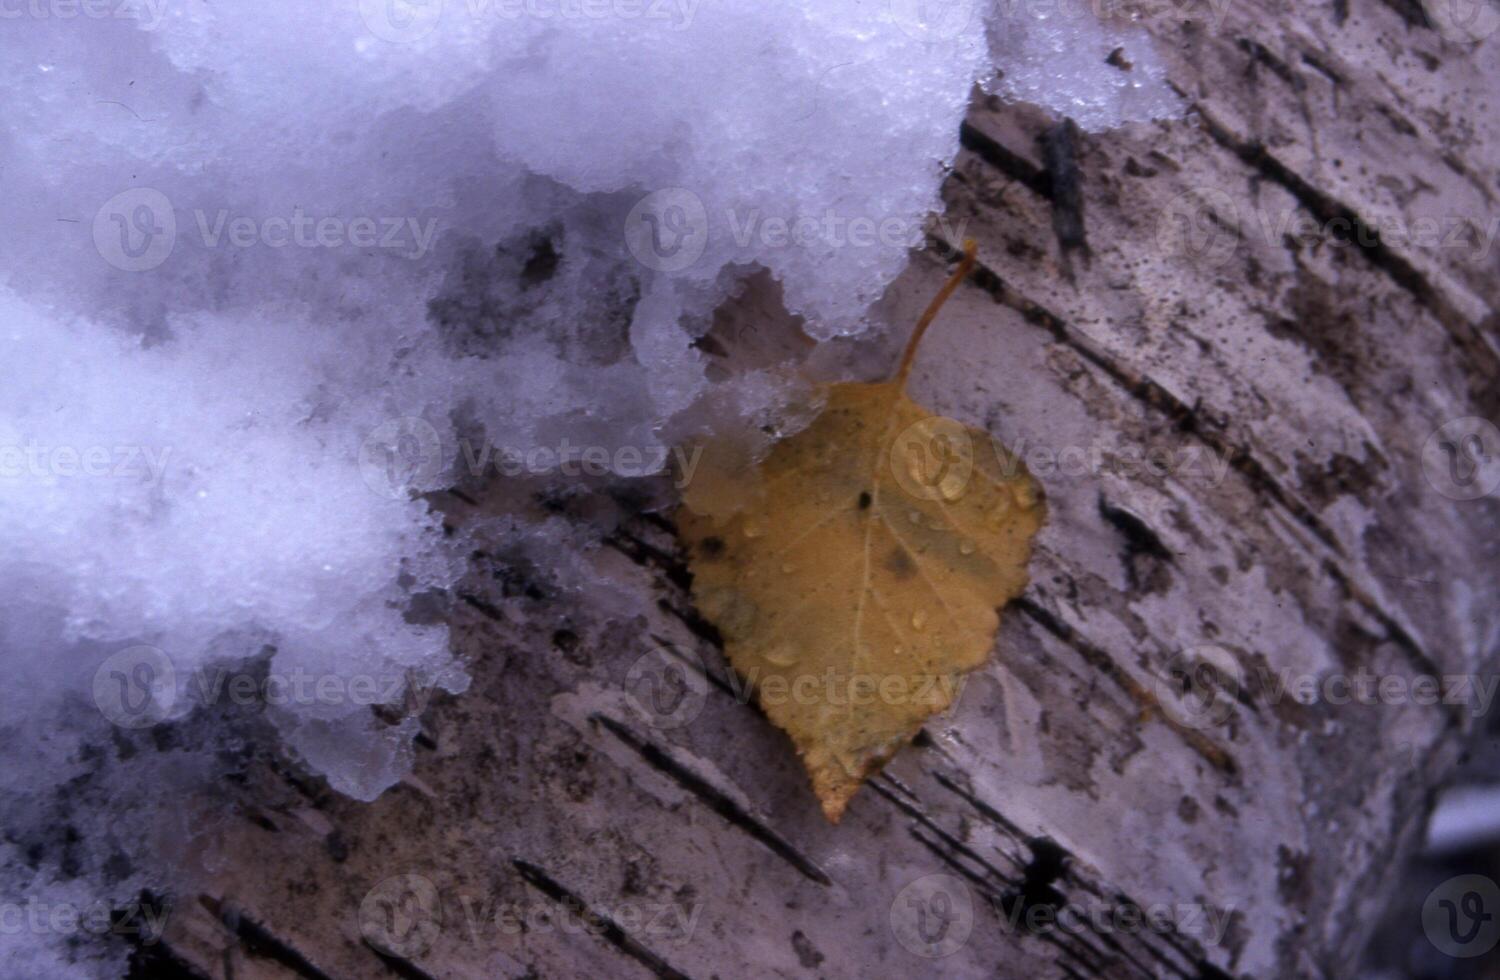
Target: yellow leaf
<point>859,578</point>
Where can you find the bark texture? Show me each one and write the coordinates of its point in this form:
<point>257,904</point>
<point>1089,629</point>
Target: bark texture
<point>1312,371</point>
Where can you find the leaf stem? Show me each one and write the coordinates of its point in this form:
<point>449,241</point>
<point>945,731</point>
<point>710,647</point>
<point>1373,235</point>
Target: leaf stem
<point>971,251</point>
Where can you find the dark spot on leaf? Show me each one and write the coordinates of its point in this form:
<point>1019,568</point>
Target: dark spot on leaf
<point>864,500</point>
<point>712,547</point>
<point>899,563</point>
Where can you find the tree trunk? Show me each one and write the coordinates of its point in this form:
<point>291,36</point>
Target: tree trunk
<point>1228,416</point>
